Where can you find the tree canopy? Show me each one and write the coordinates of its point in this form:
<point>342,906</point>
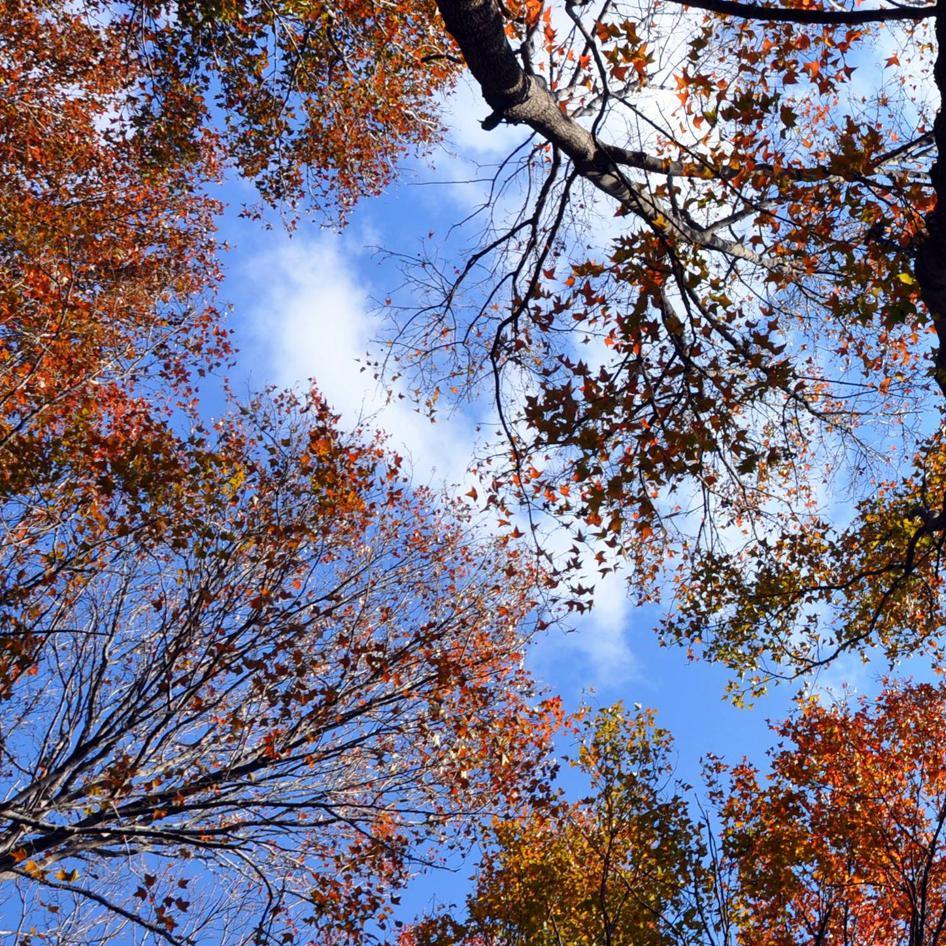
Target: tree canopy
<point>262,723</point>
<point>752,430</point>
<point>622,866</point>
<point>252,677</point>
<point>841,842</point>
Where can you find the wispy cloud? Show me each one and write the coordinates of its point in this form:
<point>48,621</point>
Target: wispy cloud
<point>310,316</point>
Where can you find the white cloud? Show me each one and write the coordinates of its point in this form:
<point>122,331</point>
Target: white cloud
<point>846,676</point>
<point>310,317</point>
<point>597,652</point>
<point>464,165</point>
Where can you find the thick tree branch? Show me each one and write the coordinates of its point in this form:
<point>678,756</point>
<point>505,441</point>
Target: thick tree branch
<point>702,168</point>
<point>755,11</point>
<point>477,26</point>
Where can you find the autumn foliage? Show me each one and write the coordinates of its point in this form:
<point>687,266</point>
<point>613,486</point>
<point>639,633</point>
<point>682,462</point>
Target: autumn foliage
<point>621,866</point>
<point>106,263</point>
<point>252,678</point>
<point>843,841</point>
<point>314,102</point>
<point>840,842</point>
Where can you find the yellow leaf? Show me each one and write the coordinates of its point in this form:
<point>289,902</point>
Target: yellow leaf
<point>906,279</point>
